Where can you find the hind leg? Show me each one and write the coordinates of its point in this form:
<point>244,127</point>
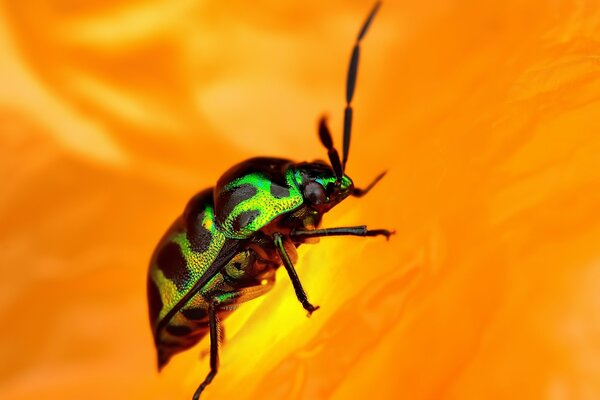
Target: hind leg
<point>213,321</point>
<point>220,302</point>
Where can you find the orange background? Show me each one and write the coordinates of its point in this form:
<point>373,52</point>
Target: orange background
<point>112,114</point>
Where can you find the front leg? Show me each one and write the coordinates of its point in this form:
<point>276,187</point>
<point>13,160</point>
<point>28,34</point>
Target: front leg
<point>347,231</point>
<point>289,267</point>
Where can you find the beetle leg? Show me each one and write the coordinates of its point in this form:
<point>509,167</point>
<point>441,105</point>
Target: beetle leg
<point>216,329</point>
<point>289,267</point>
<point>347,231</point>
<point>213,321</point>
<point>205,353</point>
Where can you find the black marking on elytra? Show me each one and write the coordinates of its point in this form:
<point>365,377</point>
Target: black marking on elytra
<point>312,171</point>
<point>171,262</point>
<point>198,236</point>
<point>155,303</point>
<point>195,314</point>
<point>198,203</point>
<point>273,169</point>
<point>244,219</point>
<point>279,192</point>
<point>178,330</point>
<point>229,249</point>
<point>229,199</point>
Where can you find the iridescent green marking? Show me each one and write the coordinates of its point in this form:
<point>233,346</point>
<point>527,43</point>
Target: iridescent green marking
<point>196,263</point>
<point>257,211</point>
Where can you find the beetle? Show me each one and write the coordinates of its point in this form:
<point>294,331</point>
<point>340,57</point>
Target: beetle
<point>227,245</point>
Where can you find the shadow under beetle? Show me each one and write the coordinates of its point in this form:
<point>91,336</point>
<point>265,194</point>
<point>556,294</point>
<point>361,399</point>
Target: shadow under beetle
<point>226,247</point>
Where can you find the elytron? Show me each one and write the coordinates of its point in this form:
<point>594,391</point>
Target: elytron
<point>227,245</point>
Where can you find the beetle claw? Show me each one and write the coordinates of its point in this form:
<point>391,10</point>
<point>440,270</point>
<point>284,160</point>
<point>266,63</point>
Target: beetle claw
<point>382,232</point>
<point>310,308</point>
<point>388,234</point>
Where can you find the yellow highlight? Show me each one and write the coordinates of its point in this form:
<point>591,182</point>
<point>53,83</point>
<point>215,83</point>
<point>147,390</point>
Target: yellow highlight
<point>145,113</point>
<point>135,22</point>
<point>484,114</point>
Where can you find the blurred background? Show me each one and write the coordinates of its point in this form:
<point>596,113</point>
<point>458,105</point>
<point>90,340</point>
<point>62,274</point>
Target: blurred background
<point>114,113</point>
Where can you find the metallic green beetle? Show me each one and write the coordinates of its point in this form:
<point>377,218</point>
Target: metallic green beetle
<point>229,242</point>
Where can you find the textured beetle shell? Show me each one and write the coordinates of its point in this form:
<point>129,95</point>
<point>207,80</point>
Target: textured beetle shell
<point>253,193</point>
<point>184,253</point>
<point>182,256</point>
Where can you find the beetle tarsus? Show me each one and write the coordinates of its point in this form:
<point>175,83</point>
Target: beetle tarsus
<point>360,230</point>
<point>310,308</point>
<point>381,232</point>
<point>289,267</point>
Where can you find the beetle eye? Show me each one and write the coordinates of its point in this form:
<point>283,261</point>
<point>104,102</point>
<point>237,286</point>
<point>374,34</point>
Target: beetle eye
<point>315,193</point>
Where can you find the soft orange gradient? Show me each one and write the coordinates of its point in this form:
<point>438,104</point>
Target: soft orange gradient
<point>486,115</point>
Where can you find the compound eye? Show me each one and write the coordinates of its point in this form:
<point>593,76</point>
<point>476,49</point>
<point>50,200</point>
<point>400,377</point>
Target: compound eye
<point>315,193</point>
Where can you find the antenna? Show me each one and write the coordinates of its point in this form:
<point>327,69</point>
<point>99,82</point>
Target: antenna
<point>351,83</point>
<point>334,157</point>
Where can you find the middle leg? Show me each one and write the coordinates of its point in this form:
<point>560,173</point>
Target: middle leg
<point>289,267</point>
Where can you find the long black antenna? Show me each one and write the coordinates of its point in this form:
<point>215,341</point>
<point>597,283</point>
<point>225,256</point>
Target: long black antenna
<point>351,84</point>
<point>327,141</point>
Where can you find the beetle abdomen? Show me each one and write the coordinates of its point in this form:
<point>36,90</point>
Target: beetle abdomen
<point>184,253</point>
<point>238,281</point>
<point>182,256</point>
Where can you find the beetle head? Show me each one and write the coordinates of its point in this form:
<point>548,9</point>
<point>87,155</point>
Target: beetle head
<point>320,186</point>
